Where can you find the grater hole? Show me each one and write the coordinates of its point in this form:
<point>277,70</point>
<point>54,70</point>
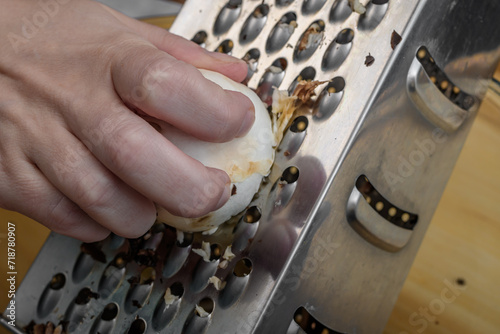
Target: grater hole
<point>252,215</point>
<point>281,32</point>
<point>208,305</point>
<point>227,16</point>
<point>85,296</point>
<point>113,275</point>
<point>309,41</point>
<point>57,282</point>
<point>167,306</point>
<point>375,12</point>
<point>225,47</point>
<point>215,252</point>
<point>299,124</point>
<point>283,3</point>
<point>200,38</point>
<point>312,6</point>
<point>110,312</point>
<point>338,50</point>
<point>254,24</point>
<point>187,241</point>
<point>306,74</point>
<point>138,326</point>
<point>329,99</point>
<point>51,295</point>
<point>252,59</point>
<point>140,290</point>
<point>290,175</point>
<point>242,268</point>
<point>177,289</point>
<point>309,324</point>
<point>271,78</point>
<point>115,241</point>
<point>442,82</point>
<point>385,208</point>
<point>340,11</point>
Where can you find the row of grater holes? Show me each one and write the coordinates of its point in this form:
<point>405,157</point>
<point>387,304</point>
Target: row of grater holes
<point>256,21</point>
<point>139,293</point>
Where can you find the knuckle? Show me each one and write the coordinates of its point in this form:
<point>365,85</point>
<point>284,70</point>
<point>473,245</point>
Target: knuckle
<point>93,193</point>
<point>126,142</point>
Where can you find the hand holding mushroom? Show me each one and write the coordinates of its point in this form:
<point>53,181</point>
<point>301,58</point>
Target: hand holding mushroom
<point>78,84</point>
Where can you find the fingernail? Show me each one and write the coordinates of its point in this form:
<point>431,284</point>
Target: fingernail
<point>247,123</point>
<point>221,175</point>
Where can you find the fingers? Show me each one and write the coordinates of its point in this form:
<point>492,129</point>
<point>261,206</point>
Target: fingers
<point>140,156</point>
<point>72,169</point>
<point>185,50</point>
<point>32,195</point>
<point>177,93</point>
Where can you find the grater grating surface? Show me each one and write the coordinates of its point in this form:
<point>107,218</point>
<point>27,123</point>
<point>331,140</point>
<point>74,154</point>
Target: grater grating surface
<point>328,241</point>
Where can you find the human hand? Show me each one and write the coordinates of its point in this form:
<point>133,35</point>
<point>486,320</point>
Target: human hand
<point>76,80</point>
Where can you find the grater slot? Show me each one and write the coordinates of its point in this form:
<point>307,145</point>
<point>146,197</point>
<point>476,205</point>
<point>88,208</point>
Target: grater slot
<point>440,101</point>
<point>376,219</point>
<point>304,323</point>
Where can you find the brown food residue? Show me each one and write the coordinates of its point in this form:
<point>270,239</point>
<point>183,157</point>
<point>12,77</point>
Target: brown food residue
<point>233,190</point>
<point>395,39</point>
<point>305,90</point>
<point>369,60</point>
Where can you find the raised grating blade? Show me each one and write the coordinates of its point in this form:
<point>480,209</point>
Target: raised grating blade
<point>328,241</point>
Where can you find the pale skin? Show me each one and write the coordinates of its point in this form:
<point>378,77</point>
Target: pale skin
<point>75,151</point>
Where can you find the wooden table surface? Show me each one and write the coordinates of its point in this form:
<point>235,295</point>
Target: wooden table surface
<point>462,243</point>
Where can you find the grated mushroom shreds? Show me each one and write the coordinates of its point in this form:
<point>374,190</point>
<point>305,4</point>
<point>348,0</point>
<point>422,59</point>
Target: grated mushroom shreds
<point>228,254</point>
<point>180,236</point>
<point>169,298</point>
<point>204,251</point>
<point>218,284</point>
<point>283,108</point>
<point>201,311</point>
<point>357,7</point>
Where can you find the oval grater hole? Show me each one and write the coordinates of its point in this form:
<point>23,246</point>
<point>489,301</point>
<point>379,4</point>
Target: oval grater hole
<point>84,296</point>
<point>200,38</point>
<point>106,322</point>
<point>242,268</point>
<point>375,12</point>
<point>225,47</point>
<point>252,215</point>
<point>112,276</point>
<point>306,74</point>
<point>138,326</point>
<point>215,252</point>
<point>299,124</point>
<point>51,295</point>
<point>227,16</point>
<point>110,312</point>
<point>338,50</point>
<point>186,241</point>
<point>208,305</point>
<point>281,32</point>
<point>140,291</point>
<point>167,306</point>
<point>254,24</point>
<point>290,175</point>
<point>312,6</point>
<point>271,78</point>
<point>283,3</point>
<point>309,41</point>
<point>204,270</point>
<point>252,60</point>
<point>340,11</point>
<point>329,99</point>
<point>57,282</point>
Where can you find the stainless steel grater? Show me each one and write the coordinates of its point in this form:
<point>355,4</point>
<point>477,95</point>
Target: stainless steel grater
<point>328,241</point>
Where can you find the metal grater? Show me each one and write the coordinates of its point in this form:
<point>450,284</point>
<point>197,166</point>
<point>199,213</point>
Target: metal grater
<point>328,241</point>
